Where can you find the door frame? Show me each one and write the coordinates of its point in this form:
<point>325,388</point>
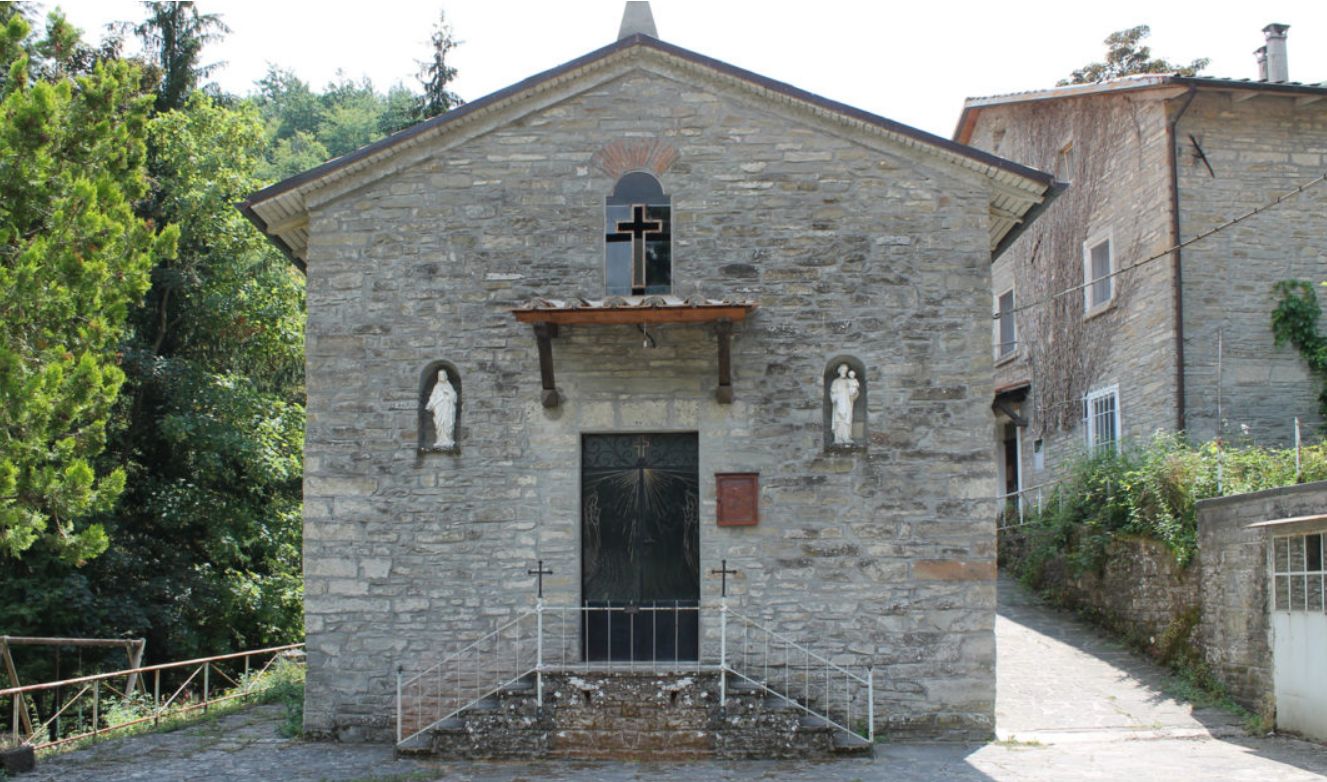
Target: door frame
<point>700,525</point>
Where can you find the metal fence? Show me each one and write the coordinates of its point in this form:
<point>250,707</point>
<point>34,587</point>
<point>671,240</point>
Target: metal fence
<point>59,712</point>
<point>653,638</point>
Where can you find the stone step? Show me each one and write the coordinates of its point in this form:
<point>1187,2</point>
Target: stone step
<point>525,686</point>
<point>449,725</point>
<point>811,722</point>
<point>851,744</point>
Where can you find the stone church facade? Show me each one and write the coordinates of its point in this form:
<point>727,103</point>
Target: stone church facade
<point>783,235</point>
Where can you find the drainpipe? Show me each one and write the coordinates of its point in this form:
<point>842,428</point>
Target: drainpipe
<point>1177,271</point>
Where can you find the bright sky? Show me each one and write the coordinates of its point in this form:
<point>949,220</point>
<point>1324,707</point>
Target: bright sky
<point>907,60</point>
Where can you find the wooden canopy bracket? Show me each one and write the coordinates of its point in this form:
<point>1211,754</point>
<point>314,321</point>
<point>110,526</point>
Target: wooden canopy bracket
<point>544,332</point>
<point>724,393</point>
<point>1003,406</point>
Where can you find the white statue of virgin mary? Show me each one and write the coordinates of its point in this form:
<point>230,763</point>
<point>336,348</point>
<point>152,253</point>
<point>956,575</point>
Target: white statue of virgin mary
<point>442,404</point>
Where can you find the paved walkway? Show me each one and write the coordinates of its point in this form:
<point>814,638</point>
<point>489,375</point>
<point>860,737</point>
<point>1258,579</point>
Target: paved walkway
<point>1071,705</point>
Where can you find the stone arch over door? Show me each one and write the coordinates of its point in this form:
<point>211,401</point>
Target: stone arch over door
<point>860,432</point>
<point>427,434</point>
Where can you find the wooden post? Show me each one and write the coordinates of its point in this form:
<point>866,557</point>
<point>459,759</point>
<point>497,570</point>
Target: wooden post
<point>20,708</point>
<point>544,333</point>
<point>134,649</point>
<point>724,393</point>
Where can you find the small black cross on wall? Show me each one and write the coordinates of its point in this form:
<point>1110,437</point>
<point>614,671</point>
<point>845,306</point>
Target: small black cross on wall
<point>636,231</point>
<point>540,571</point>
<point>723,572</point>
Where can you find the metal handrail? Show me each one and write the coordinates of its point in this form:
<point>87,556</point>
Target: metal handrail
<point>824,703</point>
<point>538,642</point>
<point>202,665</point>
<point>1021,501</point>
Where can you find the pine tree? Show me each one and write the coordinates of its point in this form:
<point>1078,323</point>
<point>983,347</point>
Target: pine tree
<point>175,34</point>
<point>74,258</point>
<point>435,74</point>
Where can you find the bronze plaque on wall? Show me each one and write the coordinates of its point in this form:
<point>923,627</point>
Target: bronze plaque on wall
<point>738,498</point>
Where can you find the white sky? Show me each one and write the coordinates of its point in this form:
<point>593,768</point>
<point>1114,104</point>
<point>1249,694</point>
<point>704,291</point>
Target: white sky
<point>907,60</point>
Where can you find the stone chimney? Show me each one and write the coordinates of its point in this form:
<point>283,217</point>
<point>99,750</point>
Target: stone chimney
<point>1272,65</point>
<point>637,20</point>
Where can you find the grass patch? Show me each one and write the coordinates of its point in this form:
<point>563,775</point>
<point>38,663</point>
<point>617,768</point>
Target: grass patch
<point>1014,742</point>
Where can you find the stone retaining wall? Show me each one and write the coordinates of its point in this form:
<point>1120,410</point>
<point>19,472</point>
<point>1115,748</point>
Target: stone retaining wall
<point>1221,597</point>
<point>1142,592</point>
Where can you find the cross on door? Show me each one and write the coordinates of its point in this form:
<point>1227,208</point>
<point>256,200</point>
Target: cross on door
<point>642,446</point>
<point>636,231</point>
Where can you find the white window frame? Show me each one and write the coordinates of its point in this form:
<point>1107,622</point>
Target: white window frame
<point>1091,437</point>
<point>1287,573</point>
<point>1006,351</point>
<point>1108,238</point>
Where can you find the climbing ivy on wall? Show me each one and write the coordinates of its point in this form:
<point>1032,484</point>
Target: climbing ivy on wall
<point>1295,320</point>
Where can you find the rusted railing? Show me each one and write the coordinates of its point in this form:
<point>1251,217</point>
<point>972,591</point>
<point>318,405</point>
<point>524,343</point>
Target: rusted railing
<point>190,685</point>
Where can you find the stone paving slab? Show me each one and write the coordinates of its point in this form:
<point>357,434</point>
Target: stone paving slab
<point>1072,705</point>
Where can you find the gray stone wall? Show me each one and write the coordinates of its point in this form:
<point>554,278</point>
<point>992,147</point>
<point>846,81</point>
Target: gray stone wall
<point>1141,593</point>
<point>1234,628</point>
<point>1118,187</point>
<point>851,245</point>
<point>1258,149</point>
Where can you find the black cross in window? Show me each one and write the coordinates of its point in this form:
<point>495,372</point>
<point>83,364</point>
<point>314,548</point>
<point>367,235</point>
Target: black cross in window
<point>636,232</point>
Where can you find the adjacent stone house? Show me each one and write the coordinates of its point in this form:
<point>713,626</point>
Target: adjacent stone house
<point>637,320</point>
<point>1144,336</point>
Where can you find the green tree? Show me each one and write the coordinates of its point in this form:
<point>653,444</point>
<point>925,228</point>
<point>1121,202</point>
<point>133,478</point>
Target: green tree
<point>1125,57</point>
<point>73,259</point>
<point>435,74</point>
<point>174,34</point>
<point>214,408</point>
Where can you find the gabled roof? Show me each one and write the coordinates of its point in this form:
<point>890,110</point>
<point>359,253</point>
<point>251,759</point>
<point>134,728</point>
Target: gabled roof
<point>1018,193</point>
<point>972,107</point>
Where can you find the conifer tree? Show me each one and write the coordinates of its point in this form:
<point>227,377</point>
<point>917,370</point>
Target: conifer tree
<point>174,34</point>
<point>73,259</point>
<point>435,74</point>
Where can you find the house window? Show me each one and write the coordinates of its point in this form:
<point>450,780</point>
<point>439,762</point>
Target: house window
<point>1297,567</point>
<point>1064,163</point>
<point>1006,339</point>
<point>1101,420</point>
<point>1098,268</point>
<point>638,238</point>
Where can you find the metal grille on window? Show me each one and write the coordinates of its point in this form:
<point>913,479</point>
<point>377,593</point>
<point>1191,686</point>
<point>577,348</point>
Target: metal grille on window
<point>1100,419</point>
<point>1298,574</point>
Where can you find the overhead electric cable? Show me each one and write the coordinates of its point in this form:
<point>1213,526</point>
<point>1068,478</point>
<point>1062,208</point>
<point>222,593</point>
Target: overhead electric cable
<point>1165,253</point>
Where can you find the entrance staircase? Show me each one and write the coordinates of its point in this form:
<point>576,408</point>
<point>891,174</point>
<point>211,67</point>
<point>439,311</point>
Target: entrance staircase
<point>522,692</point>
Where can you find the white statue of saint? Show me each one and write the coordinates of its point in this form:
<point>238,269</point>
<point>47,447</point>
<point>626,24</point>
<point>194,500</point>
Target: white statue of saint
<point>442,404</point>
<point>843,393</point>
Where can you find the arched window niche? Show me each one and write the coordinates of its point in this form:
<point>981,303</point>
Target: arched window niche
<point>844,391</point>
<point>440,409</point>
<point>638,258</point>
